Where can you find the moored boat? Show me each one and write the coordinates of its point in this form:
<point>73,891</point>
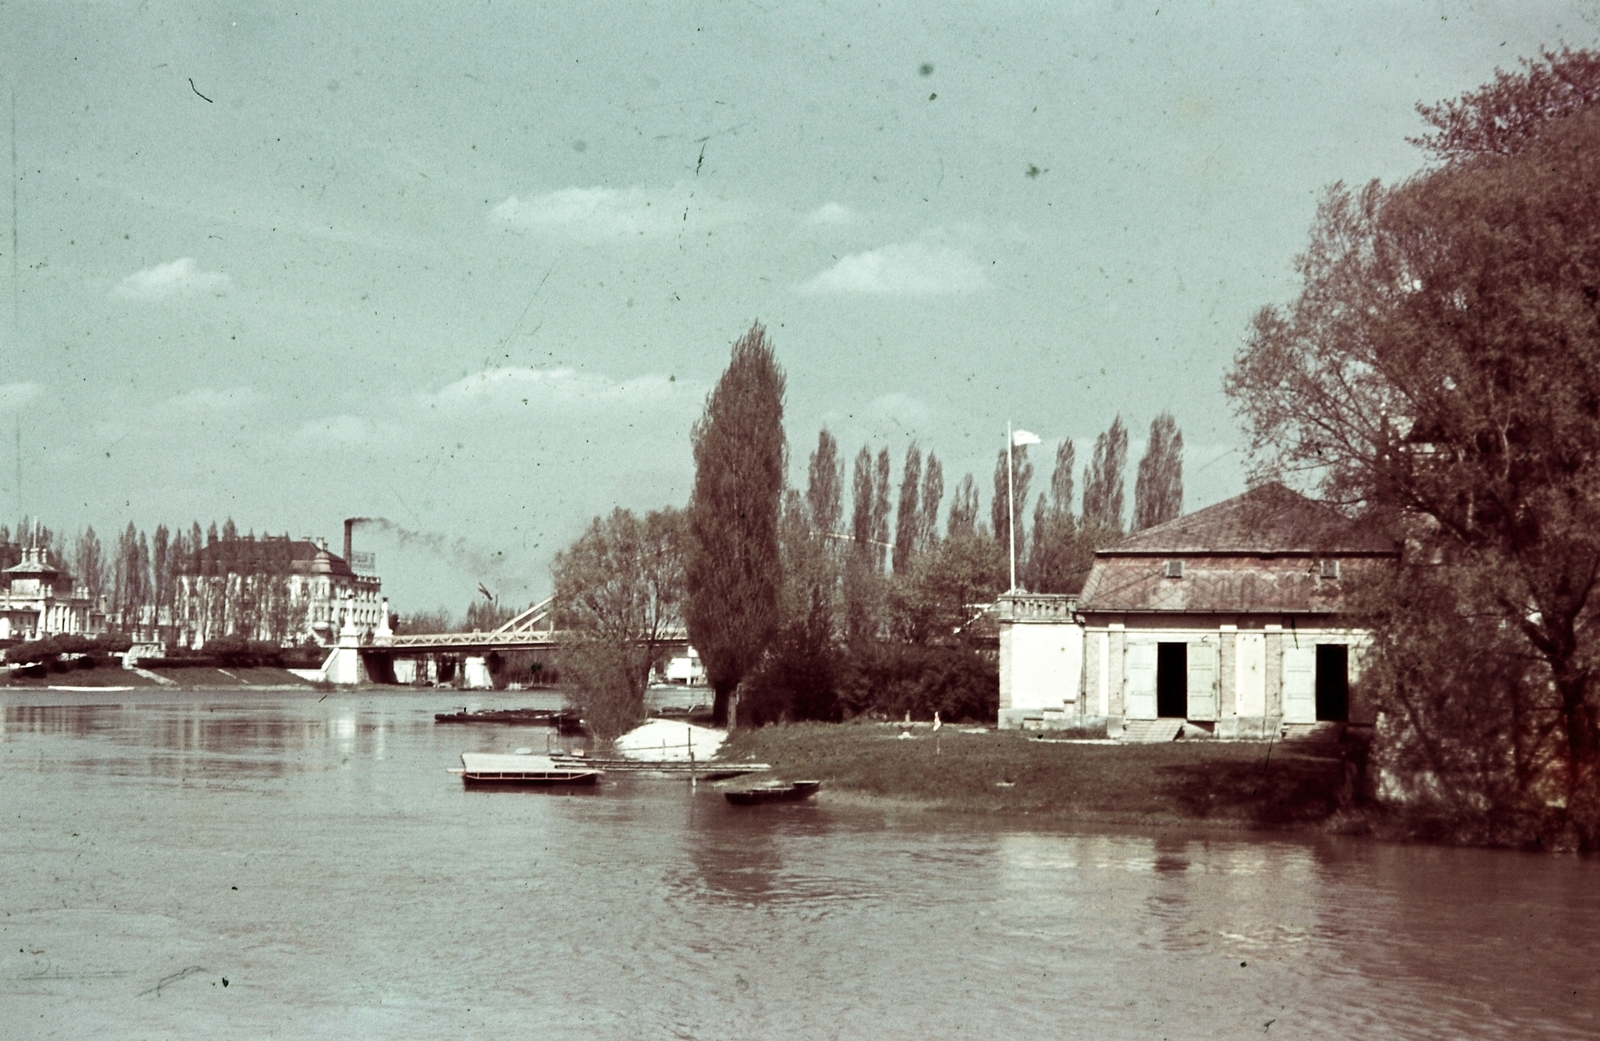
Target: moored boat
<point>481,768</point>
<point>765,793</point>
<point>564,721</point>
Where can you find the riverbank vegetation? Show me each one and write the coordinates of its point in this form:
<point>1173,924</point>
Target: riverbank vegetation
<point>1437,376</point>
<point>802,609</point>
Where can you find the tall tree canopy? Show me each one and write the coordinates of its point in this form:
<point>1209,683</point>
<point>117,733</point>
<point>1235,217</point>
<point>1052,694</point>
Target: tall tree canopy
<point>907,523</point>
<point>880,510</point>
<point>1059,558</point>
<point>1158,490</point>
<point>1503,117</point>
<point>1103,480</point>
<point>1002,510</point>
<point>932,495</point>
<point>963,519</point>
<point>734,572</point>
<point>861,586</point>
<point>825,486</point>
<point>1440,370</point>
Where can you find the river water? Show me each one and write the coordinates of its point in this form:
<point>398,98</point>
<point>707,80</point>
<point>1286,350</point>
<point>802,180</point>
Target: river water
<point>261,865</point>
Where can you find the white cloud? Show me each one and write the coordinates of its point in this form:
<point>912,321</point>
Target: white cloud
<point>182,277</point>
<point>901,269</point>
<point>609,213</point>
<point>831,213</point>
<point>15,395</point>
<point>519,386</point>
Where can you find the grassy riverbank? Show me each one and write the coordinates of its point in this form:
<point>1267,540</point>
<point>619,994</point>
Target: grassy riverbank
<point>1235,784</point>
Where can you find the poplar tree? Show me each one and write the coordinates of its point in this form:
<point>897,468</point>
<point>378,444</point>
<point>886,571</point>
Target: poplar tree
<point>160,572</point>
<point>1103,483</point>
<point>861,502</point>
<point>733,571</point>
<point>825,485</point>
<point>88,560</point>
<point>963,519</point>
<point>1056,562</point>
<point>932,495</point>
<point>1158,491</point>
<point>879,542</point>
<point>1002,509</point>
<point>824,510</point>
<point>860,586</point>
<point>907,521</point>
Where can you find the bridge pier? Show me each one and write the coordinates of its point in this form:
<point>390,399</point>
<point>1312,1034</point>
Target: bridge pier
<point>475,673</point>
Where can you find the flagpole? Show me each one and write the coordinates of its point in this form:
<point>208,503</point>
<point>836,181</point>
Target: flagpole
<point>1011,518</point>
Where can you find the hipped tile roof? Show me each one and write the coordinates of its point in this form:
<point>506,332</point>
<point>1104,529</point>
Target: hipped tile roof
<point>1258,553</point>
<point>1266,519</point>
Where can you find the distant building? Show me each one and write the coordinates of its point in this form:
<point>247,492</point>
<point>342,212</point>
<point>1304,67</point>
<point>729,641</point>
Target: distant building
<point>274,588</point>
<point>1231,619</point>
<point>41,600</point>
<point>685,668</point>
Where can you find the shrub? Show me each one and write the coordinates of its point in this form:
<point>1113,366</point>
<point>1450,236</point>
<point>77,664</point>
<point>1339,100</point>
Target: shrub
<point>54,647</point>
<point>796,679</point>
<point>892,679</point>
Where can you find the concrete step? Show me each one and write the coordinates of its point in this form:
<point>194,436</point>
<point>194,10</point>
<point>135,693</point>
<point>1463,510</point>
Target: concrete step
<point>1151,731</point>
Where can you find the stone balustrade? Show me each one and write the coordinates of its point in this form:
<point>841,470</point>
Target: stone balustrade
<point>1037,607</point>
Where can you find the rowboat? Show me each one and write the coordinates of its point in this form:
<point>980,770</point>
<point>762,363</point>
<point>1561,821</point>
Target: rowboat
<point>765,793</point>
<point>565,721</point>
<point>479,768</point>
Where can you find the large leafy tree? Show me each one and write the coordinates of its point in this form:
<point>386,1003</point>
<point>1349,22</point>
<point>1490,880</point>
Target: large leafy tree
<point>733,570</point>
<point>619,590</point>
<point>1440,371</point>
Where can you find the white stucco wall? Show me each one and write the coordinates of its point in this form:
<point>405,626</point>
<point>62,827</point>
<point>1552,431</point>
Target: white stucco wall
<point>1048,669</point>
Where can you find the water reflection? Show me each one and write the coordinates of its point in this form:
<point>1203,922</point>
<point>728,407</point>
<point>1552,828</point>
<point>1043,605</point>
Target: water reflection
<point>204,738</point>
<point>375,890</point>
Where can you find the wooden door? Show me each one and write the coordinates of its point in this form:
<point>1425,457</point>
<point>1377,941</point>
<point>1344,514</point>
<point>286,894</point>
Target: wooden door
<point>1300,684</point>
<point>1139,679</point>
<point>1203,681</point>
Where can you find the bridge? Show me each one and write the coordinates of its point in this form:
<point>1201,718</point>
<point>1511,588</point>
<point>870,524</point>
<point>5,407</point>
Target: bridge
<point>353,661</point>
<point>533,629</point>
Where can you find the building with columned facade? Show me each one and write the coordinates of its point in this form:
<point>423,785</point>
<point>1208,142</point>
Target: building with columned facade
<point>1232,621</point>
<point>40,600</point>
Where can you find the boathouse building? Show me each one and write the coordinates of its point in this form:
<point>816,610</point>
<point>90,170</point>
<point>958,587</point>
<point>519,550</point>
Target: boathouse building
<point>1230,621</point>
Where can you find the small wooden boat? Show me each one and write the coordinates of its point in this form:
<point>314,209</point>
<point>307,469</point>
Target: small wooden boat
<point>564,721</point>
<point>765,793</point>
<point>478,768</point>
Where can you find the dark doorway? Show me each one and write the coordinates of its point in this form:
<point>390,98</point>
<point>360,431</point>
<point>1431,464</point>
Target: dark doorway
<point>1333,681</point>
<point>1172,680</point>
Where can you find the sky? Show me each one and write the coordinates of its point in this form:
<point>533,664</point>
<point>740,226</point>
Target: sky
<point>472,268</point>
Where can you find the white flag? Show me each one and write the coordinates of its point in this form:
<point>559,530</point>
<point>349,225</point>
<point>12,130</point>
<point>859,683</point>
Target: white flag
<point>1022,437</point>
